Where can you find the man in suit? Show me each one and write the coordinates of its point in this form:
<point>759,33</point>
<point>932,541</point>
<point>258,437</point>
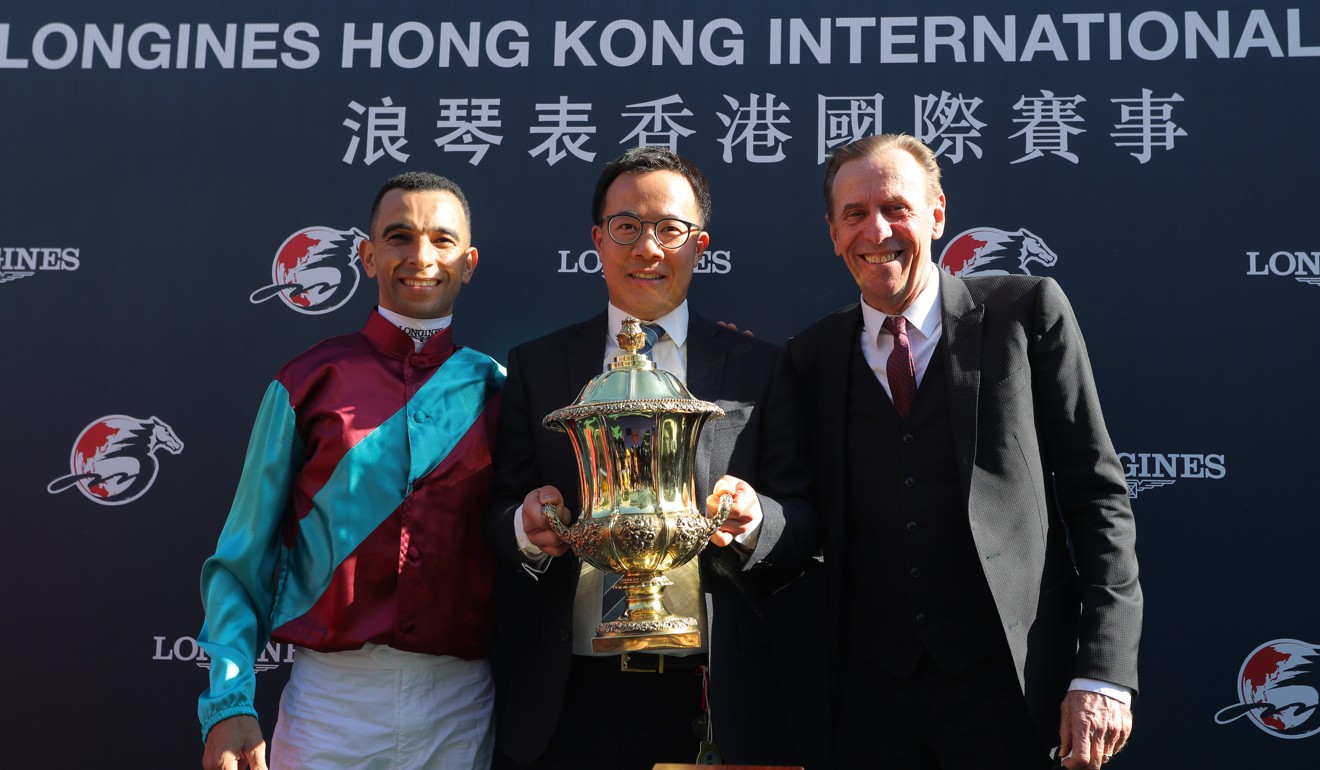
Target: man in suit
<point>976,522</point>
<point>561,706</point>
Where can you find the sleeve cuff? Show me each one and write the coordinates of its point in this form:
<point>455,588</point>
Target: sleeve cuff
<point>1115,691</point>
<point>525,546</point>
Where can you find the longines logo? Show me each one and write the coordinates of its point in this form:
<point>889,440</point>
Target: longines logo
<point>1302,265</point>
<point>187,649</point>
<point>1146,471</point>
<point>717,262</point>
<point>17,262</point>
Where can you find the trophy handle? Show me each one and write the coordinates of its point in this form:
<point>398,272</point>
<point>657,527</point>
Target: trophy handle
<point>551,512</point>
<point>726,505</point>
<point>713,523</point>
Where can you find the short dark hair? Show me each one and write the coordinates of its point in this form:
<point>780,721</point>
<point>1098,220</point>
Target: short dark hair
<point>874,145</point>
<point>643,159</point>
<point>421,180</point>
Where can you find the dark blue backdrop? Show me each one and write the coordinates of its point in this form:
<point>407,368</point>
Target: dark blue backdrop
<point>146,198</point>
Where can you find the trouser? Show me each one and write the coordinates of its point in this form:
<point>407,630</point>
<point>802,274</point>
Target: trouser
<point>379,708</point>
<point>976,719</point>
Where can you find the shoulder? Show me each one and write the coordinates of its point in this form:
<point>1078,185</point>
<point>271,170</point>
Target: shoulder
<point>325,354</point>
<point>838,322</point>
<point>1009,292</point>
<point>1007,288</point>
<point>736,341</point>
<point>481,364</point>
<point>560,339</point>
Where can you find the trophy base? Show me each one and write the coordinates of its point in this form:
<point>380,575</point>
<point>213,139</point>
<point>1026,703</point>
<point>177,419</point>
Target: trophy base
<point>688,640</point>
<point>668,632</point>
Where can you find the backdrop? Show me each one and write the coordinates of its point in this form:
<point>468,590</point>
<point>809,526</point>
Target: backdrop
<point>183,185</point>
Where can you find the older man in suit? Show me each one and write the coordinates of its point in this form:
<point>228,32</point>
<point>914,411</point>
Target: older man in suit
<point>975,516</point>
<point>561,706</point>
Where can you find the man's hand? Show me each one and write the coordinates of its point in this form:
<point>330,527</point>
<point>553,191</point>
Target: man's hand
<point>537,527</point>
<point>744,516</point>
<point>733,327</point>
<point>235,743</point>
<point>1092,729</point>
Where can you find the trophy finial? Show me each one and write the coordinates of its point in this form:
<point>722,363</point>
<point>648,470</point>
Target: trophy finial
<point>631,337</point>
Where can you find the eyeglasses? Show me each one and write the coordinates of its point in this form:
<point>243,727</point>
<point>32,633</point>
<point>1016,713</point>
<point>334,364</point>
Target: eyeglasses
<point>625,229</point>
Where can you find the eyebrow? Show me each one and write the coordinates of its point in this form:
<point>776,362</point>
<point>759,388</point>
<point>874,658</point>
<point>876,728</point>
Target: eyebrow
<point>404,226</point>
<point>639,216</point>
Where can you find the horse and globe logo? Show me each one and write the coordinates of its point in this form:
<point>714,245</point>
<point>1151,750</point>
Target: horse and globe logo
<point>991,251</point>
<point>1278,689</point>
<point>315,270</point>
<point>113,460</point>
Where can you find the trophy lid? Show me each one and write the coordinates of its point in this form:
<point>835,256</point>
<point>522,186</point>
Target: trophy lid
<point>631,384</point>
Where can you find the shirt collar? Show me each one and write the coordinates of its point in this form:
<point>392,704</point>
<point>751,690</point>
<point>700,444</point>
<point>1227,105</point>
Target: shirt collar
<point>675,322</point>
<point>398,319</point>
<point>392,340</point>
<point>923,314</point>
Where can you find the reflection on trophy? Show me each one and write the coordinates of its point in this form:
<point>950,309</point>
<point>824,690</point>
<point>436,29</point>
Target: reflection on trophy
<point>634,429</point>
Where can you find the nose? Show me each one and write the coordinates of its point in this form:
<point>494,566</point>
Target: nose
<point>422,253</point>
<point>877,227</point>
<point>648,244</point>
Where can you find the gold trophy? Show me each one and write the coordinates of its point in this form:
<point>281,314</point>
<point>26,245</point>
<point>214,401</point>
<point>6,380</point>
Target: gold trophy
<point>634,429</point>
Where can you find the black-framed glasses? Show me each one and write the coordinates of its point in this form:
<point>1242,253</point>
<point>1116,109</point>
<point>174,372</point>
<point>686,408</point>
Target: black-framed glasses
<point>671,233</point>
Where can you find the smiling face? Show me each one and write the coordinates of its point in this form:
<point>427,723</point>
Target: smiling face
<point>882,223</point>
<point>645,280</point>
<point>419,252</point>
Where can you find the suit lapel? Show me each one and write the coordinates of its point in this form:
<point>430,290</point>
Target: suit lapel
<point>833,358</point>
<point>706,354</point>
<point>584,355</point>
<point>962,319</point>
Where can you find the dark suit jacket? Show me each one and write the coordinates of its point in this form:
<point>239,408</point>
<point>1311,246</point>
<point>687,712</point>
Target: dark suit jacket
<point>1036,466</point>
<point>758,441</point>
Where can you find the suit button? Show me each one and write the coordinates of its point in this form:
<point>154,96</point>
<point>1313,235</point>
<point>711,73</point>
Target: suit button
<point>563,635</point>
<point>909,482</point>
<point>911,526</point>
<point>419,417</point>
<point>414,553</point>
<point>921,618</point>
<point>408,627</point>
<point>907,438</point>
<point>915,572</point>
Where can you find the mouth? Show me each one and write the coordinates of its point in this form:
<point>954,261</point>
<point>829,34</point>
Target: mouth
<point>421,283</point>
<point>647,276</point>
<point>881,259</point>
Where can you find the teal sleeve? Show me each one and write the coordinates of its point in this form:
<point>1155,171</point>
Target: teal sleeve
<point>239,583</point>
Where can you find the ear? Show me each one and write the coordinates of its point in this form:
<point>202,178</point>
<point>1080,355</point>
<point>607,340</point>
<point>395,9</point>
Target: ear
<point>469,263</point>
<point>834,235</point>
<point>703,241</point>
<point>597,233</point>
<point>937,229</point>
<point>367,256</point>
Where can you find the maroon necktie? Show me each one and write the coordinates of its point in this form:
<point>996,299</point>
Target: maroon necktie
<point>899,369</point>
